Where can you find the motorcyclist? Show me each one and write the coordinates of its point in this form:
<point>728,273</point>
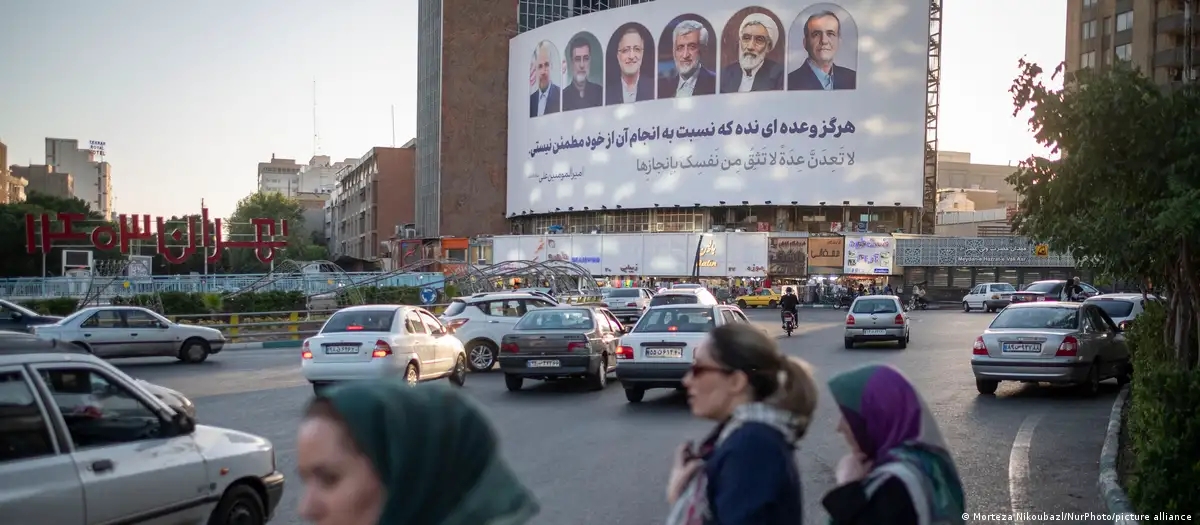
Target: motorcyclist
<point>1073,290</point>
<point>788,303</point>
<point>919,294</point>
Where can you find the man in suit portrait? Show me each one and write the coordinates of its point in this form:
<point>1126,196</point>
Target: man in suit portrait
<point>753,71</point>
<point>629,85</point>
<point>689,41</point>
<point>545,100</point>
<point>822,38</point>
<point>580,93</point>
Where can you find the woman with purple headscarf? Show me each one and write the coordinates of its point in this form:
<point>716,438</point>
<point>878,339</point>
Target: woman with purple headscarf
<point>899,471</point>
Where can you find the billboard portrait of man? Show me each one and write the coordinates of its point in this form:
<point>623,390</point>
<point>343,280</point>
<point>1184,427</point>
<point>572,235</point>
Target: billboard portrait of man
<point>758,45</point>
<point>630,78</point>
<point>826,31</point>
<point>586,70</point>
<point>546,95</point>
<point>685,56</point>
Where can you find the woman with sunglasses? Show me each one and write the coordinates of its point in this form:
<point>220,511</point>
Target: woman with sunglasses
<point>745,472</point>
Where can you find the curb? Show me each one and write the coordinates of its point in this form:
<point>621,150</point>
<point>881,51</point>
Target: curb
<point>261,345</point>
<point>1114,497</point>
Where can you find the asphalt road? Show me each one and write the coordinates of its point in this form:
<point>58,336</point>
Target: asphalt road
<point>591,458</point>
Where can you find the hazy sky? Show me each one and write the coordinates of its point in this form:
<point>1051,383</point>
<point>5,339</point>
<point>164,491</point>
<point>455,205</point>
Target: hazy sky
<point>190,96</point>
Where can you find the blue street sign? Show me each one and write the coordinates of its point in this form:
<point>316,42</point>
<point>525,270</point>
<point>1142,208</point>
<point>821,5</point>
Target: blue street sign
<point>428,295</point>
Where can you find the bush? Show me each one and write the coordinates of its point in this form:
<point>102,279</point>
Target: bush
<point>61,306</point>
<point>1163,421</point>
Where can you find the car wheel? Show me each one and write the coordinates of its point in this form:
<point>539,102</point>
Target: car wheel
<point>741,304</point>
<point>902,343</point>
<point>599,380</point>
<point>849,344</point>
<point>481,355</point>
<point>771,304</point>
<point>459,376</point>
<point>194,351</point>
<point>635,395</point>
<point>986,387</point>
<point>1125,375</point>
<point>240,505</point>
<point>513,382</point>
<point>1091,387</point>
<point>966,307</point>
<point>412,376</point>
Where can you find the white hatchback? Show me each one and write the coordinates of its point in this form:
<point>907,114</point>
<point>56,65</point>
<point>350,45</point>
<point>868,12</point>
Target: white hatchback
<point>1122,308</point>
<point>480,321</point>
<point>366,342</point>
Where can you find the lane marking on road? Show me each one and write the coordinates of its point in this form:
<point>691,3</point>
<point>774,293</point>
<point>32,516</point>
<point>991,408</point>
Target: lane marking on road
<point>1018,468</point>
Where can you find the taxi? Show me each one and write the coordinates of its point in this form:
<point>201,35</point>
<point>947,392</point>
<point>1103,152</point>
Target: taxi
<point>759,298</point>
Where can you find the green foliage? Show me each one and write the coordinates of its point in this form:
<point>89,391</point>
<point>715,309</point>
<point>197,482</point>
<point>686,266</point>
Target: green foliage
<point>275,206</point>
<point>17,262</point>
<point>60,306</point>
<point>1164,422</point>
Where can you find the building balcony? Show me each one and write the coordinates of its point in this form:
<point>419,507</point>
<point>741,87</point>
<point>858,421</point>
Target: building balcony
<point>1172,24</point>
<point>1173,57</point>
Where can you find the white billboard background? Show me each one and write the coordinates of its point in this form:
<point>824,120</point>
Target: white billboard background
<point>735,149</point>
<point>748,254</point>
<point>869,254</point>
<point>622,255</point>
<point>654,255</point>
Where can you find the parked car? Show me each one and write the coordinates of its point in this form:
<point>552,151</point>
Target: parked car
<point>659,350</point>
<point>759,298</point>
<point>17,318</point>
<point>82,442</point>
<point>1052,290</point>
<point>563,342</point>
<point>481,320</point>
<point>627,304</point>
<point>990,297</point>
<point>131,331</point>
<point>684,296</point>
<point>372,341</point>
<point>877,318</point>
<point>1122,308</point>
<point>1053,342</point>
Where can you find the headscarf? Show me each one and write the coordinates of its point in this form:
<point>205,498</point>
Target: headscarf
<point>897,432</point>
<point>435,453</point>
<point>763,20</point>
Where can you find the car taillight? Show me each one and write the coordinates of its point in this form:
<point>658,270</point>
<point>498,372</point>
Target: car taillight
<point>624,352</point>
<point>980,347</point>
<point>1068,348</point>
<point>511,348</point>
<point>571,347</point>
<point>456,323</point>
<point>306,353</point>
<point>849,319</point>
<point>633,305</point>
<point>382,349</point>
<point>1125,325</point>
<point>899,319</point>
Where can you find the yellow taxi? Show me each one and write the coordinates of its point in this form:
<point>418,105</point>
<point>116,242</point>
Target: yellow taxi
<point>759,298</point>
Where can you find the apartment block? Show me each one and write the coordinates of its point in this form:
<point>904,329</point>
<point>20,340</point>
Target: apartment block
<point>371,200</point>
<point>1152,35</point>
<point>92,176</point>
<point>43,179</point>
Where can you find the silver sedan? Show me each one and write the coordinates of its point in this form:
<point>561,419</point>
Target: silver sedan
<point>1054,342</point>
<point>130,331</point>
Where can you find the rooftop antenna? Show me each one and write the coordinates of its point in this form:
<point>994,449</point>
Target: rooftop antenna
<point>316,146</point>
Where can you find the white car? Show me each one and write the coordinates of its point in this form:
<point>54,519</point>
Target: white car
<point>877,318</point>
<point>684,296</point>
<point>131,331</point>
<point>659,350</point>
<point>1122,308</point>
<point>627,304</point>
<point>365,342</point>
<point>990,297</point>
<point>82,442</point>
<point>482,320</point>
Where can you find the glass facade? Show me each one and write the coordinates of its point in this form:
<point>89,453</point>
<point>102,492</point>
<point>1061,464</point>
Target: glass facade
<point>532,14</point>
<point>429,118</point>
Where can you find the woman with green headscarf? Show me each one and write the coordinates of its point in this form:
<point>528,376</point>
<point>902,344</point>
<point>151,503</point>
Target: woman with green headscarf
<point>898,471</point>
<point>385,453</point>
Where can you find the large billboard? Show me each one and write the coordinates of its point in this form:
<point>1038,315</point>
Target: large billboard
<point>697,102</point>
<point>722,254</point>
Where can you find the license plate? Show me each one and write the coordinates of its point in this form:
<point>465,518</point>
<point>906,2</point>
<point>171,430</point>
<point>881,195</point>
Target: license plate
<point>341,349</point>
<point>1021,348</point>
<point>664,353</point>
<point>543,363</point>
<point>874,332</point>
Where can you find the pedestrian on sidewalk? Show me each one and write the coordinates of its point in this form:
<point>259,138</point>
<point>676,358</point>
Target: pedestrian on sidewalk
<point>385,453</point>
<point>746,471</point>
<point>898,471</point>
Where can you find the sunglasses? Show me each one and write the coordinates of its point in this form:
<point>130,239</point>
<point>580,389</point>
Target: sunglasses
<point>698,370</point>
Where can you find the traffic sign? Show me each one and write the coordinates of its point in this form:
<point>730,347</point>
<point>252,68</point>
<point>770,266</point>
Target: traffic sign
<point>1042,250</point>
<point>428,295</point>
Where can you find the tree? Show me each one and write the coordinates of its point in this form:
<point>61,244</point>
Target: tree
<point>17,262</point>
<point>1124,195</point>
<point>269,205</point>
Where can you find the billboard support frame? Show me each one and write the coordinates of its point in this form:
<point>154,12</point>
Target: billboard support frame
<point>927,218</point>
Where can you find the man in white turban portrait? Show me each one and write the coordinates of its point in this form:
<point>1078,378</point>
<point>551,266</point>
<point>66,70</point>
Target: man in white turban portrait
<point>753,71</point>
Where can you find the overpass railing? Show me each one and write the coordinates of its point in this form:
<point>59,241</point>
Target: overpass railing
<point>22,288</point>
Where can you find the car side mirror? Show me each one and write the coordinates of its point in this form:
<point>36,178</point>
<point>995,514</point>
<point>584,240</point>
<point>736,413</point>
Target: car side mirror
<point>182,424</point>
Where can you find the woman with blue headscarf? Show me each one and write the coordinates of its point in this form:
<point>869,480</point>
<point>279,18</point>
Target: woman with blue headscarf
<point>385,453</point>
<point>899,471</point>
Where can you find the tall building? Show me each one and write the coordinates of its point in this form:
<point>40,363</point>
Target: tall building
<point>288,177</point>
<point>462,107</point>
<point>1150,34</point>
<point>92,177</point>
<point>14,183</point>
<point>43,179</point>
<point>371,201</point>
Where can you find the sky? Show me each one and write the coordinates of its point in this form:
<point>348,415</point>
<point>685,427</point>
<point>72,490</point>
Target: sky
<point>191,96</point>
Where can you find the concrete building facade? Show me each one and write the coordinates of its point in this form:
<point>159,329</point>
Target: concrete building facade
<point>290,178</point>
<point>43,179</point>
<point>1149,34</point>
<point>92,176</point>
<point>372,200</point>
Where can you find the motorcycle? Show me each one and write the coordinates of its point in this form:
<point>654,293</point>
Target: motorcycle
<point>914,304</point>
<point>789,322</point>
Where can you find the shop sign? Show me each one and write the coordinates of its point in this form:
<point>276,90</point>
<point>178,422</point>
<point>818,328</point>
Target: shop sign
<point>825,252</point>
<point>708,250</point>
<point>787,256</point>
<point>585,260</point>
<point>977,252</point>
<point>869,255</point>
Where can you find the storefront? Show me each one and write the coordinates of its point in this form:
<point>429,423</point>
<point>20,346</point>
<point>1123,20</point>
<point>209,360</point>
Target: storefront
<point>711,256</point>
<point>959,263</point>
<point>868,259</point>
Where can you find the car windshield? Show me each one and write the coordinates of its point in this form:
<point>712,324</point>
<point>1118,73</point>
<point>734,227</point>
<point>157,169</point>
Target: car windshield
<point>74,316</point>
<point>1003,287</point>
<point>1114,307</point>
<point>360,321</point>
<point>674,299</point>
<point>1043,287</point>
<point>1043,318</point>
<point>875,306</point>
<point>456,307</point>
<point>623,292</point>
<point>557,319</point>
<point>676,320</point>
<point>14,306</point>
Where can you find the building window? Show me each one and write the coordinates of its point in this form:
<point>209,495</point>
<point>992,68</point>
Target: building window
<point>1125,21</point>
<point>1124,52</point>
<point>1089,29</point>
<point>1087,60</point>
<point>1090,3</point>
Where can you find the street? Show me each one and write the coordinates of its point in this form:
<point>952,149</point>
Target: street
<point>591,458</point>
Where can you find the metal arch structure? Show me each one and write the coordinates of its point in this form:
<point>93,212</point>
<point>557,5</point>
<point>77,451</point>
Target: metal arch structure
<point>927,218</point>
<point>564,279</point>
<point>414,267</point>
<point>298,271</point>
<point>102,284</point>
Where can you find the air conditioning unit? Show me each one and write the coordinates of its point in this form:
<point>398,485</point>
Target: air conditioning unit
<point>410,233</point>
